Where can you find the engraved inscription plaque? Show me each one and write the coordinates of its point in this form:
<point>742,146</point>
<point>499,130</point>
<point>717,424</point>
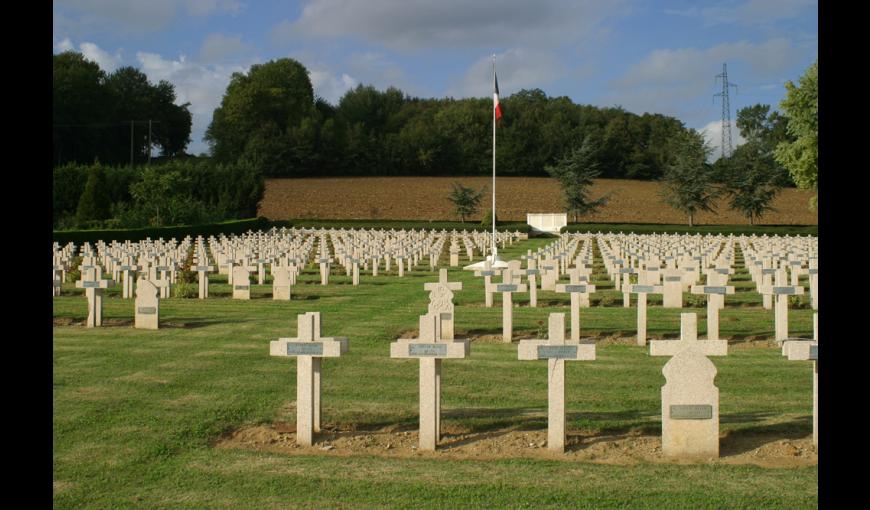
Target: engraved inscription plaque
<point>146,310</point>
<point>575,288</point>
<point>427,349</point>
<point>715,290</point>
<point>487,273</point>
<point>783,290</point>
<point>642,288</point>
<point>691,412</point>
<point>241,287</point>
<point>814,352</point>
<point>673,278</point>
<point>91,285</point>
<point>505,287</point>
<point>305,349</point>
<point>532,271</point>
<point>557,351</point>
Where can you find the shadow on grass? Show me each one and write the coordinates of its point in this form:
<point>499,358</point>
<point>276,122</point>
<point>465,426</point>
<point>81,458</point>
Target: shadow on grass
<point>750,438</point>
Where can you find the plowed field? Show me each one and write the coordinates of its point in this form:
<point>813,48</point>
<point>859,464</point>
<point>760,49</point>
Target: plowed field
<point>425,198</point>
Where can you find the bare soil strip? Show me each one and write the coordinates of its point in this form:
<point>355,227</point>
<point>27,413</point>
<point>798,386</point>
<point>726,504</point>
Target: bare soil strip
<point>767,450</point>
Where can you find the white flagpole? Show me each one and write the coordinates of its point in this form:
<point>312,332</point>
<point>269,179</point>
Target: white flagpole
<point>494,244</point>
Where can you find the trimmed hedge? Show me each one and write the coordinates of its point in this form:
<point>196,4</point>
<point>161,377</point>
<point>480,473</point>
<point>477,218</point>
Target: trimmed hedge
<point>241,226</point>
<point>653,228</point>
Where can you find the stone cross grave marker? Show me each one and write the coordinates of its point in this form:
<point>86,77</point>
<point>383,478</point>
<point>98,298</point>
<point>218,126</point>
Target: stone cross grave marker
<point>147,312</point>
<point>309,348</point>
<point>506,288</point>
<point>626,273</point>
<point>430,350</point>
<point>690,399</point>
<point>575,289</point>
<point>127,271</point>
<point>441,302</point>
<point>202,271</point>
<point>324,262</point>
<point>782,293</point>
<point>94,286</point>
<point>487,273</point>
<point>556,351</point>
<point>802,350</point>
<point>642,291</point>
<point>715,295</point>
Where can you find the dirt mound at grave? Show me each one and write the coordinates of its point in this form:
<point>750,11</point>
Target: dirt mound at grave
<point>425,198</point>
<point>620,448</point>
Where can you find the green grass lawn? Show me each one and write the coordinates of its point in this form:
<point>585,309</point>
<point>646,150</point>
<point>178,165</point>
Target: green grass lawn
<point>136,412</point>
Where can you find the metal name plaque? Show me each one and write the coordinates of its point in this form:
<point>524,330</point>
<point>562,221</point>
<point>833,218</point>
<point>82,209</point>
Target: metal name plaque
<point>162,268</point>
<point>652,268</point>
<point>673,278</point>
<point>487,273</point>
<point>241,287</point>
<point>783,290</point>
<point>715,290</point>
<point>126,268</point>
<point>504,287</point>
<point>796,262</point>
<point>575,288</point>
<point>557,352</point>
<point>692,412</point>
<point>203,268</point>
<point>91,285</point>
<point>723,270</point>
<point>304,349</point>
<point>814,352</point>
<point>814,270</point>
<point>532,271</point>
<point>446,316</point>
<point>768,271</point>
<point>427,349</point>
<point>146,310</point>
<point>627,270</point>
<point>323,261</point>
<point>642,288</point>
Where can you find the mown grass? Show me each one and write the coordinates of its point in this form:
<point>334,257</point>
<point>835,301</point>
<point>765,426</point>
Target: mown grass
<point>136,412</point>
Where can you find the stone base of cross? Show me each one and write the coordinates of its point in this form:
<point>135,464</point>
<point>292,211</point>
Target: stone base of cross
<point>690,400</point>
<point>430,350</point>
<point>556,351</point>
<point>309,348</point>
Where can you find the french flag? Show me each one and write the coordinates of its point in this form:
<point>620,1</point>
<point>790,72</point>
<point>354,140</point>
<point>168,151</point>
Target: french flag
<point>495,99</point>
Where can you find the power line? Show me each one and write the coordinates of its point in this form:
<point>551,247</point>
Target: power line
<point>726,110</point>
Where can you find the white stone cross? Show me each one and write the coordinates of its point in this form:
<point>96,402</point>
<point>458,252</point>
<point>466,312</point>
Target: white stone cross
<point>690,400</point>
<point>715,296</point>
<point>309,348</point>
<point>575,289</point>
<point>203,271</point>
<point>441,302</point>
<point>506,288</point>
<point>94,286</point>
<point>556,351</point>
<point>782,293</point>
<point>801,350</point>
<point>642,291</point>
<point>488,272</point>
<point>430,350</point>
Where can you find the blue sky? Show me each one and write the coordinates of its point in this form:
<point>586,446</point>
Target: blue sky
<point>646,56</point>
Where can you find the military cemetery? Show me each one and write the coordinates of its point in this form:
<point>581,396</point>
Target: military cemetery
<point>283,278</point>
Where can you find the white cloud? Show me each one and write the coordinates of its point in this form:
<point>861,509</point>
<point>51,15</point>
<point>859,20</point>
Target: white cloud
<point>751,12</point>
<point>423,24</point>
<point>713,135</point>
<point>673,81</point>
<point>217,47</point>
<point>329,86</point>
<point>201,85</point>
<point>106,61</point>
<point>517,68</point>
<point>85,16</point>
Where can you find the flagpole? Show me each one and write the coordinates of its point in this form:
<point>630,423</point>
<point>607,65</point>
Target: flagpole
<point>494,244</point>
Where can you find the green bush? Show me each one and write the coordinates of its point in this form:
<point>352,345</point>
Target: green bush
<point>487,219</point>
<point>95,203</point>
<point>185,290</point>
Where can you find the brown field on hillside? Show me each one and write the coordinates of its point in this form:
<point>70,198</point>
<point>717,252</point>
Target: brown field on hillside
<point>425,198</point>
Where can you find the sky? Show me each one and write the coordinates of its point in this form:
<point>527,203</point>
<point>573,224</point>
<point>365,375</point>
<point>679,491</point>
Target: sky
<point>642,55</point>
